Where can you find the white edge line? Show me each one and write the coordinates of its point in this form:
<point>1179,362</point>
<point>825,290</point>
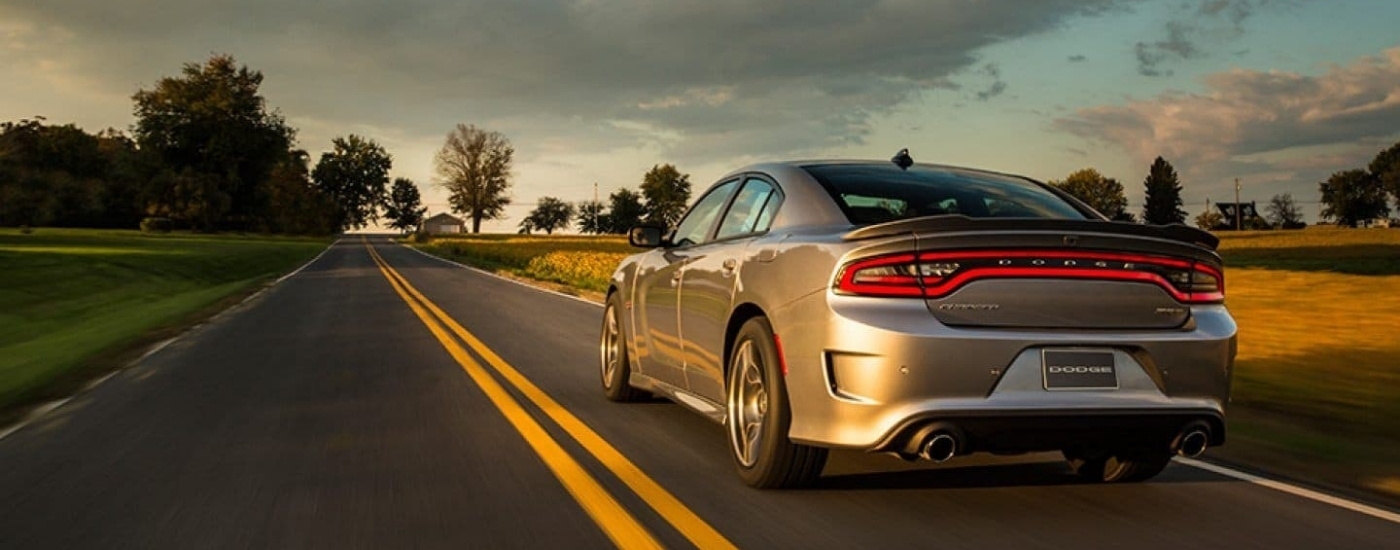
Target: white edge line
<point>35,414</point>
<point>1293,490</point>
<point>1213,468</point>
<point>507,279</point>
<point>40,411</point>
<point>312,261</point>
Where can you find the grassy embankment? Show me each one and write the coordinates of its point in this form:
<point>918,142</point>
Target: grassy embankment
<point>1317,383</point>
<point>76,302</point>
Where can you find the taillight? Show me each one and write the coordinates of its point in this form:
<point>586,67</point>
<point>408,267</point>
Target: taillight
<point>938,274</point>
<point>896,275</point>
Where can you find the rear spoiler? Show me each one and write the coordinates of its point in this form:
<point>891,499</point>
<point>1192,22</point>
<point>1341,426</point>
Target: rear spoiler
<point>956,222</point>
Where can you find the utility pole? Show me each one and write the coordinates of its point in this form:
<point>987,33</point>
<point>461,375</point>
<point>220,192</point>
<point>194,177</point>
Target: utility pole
<point>595,206</point>
<point>1239,215</point>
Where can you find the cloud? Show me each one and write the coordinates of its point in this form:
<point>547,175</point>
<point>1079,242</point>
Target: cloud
<point>1188,36</point>
<point>997,87</point>
<point>702,78</point>
<point>1279,124</point>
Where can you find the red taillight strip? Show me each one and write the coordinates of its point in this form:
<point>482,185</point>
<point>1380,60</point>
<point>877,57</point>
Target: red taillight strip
<point>889,285</point>
<point>1219,294</point>
<point>947,286</point>
<point>937,287</point>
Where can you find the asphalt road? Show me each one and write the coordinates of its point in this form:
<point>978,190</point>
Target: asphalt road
<point>325,413</point>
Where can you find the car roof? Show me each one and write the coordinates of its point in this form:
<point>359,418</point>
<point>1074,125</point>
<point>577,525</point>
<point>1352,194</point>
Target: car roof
<point>807,203</point>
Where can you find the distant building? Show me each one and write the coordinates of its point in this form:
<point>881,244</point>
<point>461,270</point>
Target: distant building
<point>443,224</point>
<point>1373,222</point>
<point>1240,215</point>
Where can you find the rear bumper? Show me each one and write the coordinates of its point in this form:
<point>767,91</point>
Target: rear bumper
<point>1048,430</point>
<point>868,373</point>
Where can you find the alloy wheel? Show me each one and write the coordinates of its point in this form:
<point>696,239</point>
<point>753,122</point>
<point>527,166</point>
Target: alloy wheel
<point>609,347</point>
<point>748,404</point>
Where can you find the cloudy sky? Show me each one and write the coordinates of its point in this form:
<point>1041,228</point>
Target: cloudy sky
<point>1279,93</point>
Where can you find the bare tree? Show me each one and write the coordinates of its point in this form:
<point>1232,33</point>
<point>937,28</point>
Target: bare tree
<point>1284,212</point>
<point>474,166</point>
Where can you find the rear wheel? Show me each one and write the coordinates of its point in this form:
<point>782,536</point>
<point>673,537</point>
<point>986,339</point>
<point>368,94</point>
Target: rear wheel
<point>757,415</point>
<point>1123,466</point>
<point>612,356</point>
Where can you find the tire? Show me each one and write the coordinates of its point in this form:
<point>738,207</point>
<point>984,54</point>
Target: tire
<point>757,415</point>
<point>613,362</point>
<point>1128,466</point>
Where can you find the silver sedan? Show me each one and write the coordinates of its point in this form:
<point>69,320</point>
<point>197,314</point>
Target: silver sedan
<point>924,311</point>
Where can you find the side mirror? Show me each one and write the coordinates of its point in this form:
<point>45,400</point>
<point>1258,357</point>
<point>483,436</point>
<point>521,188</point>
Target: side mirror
<point>645,236</point>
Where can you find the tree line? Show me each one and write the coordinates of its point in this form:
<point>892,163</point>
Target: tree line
<point>660,200</point>
<point>1348,197</point>
<point>1105,194</point>
<point>205,153</point>
<point>1359,194</point>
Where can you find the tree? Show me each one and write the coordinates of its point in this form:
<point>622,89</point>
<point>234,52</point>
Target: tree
<point>197,198</point>
<point>667,191</point>
<point>50,174</point>
<point>1163,195</point>
<point>592,218</point>
<point>1386,169</point>
<point>1284,213</point>
<point>295,204</point>
<point>355,176</point>
<point>549,214</point>
<point>625,210</point>
<point>210,124</point>
<point>1353,195</point>
<point>1209,220</point>
<point>474,166</point>
<point>1104,194</point>
<point>404,209</point>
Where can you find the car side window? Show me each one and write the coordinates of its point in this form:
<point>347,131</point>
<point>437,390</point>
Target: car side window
<point>695,226</point>
<point>751,211</point>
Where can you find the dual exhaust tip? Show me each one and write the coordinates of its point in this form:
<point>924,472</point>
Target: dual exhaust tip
<point>941,443</point>
<point>939,447</point>
<point>1192,441</point>
<point>936,443</point>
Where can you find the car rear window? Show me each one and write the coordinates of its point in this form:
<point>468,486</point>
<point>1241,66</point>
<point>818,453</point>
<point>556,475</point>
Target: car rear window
<point>872,193</point>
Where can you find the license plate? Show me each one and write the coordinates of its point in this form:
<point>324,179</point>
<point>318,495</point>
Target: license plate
<point>1078,370</point>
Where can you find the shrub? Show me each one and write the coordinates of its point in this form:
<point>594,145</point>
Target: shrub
<point>156,225</point>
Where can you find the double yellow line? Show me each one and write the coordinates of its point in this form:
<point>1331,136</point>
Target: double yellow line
<point>615,520</point>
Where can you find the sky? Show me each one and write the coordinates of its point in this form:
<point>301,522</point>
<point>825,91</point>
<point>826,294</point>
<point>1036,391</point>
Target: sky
<point>1277,93</point>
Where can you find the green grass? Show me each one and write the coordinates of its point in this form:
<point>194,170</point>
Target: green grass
<point>70,297</point>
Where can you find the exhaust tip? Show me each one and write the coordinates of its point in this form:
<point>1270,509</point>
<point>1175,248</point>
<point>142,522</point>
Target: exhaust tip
<point>1193,443</point>
<point>939,447</point>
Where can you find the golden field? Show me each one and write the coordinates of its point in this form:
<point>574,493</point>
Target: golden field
<point>585,263</point>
